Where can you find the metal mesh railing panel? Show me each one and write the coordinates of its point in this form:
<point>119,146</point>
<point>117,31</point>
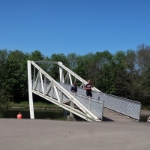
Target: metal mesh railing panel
<point>94,106</point>
<point>121,105</point>
<point>124,106</point>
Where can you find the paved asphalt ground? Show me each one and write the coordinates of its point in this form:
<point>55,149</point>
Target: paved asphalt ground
<point>119,133</point>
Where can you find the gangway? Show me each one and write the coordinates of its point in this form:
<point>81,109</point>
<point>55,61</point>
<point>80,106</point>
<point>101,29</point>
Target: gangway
<point>58,92</point>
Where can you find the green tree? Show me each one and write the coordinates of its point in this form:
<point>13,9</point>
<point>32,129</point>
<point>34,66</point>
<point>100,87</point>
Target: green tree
<point>4,95</point>
<point>99,64</point>
<point>15,80</point>
<point>36,56</point>
<point>72,60</point>
<point>83,65</point>
<point>143,59</point>
<point>54,69</point>
<point>5,99</point>
<point>118,67</point>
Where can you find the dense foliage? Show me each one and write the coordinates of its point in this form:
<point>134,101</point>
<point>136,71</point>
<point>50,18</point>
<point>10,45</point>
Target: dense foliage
<point>125,74</point>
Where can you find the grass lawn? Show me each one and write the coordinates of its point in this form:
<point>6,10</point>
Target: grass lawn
<point>25,104</point>
<point>49,105</point>
<point>147,107</point>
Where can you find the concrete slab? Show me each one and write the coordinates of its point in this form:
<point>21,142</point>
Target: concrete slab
<point>26,134</point>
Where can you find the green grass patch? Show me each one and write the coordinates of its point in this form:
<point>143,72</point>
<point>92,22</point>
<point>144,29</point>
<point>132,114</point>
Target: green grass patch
<point>25,104</point>
<point>147,107</point>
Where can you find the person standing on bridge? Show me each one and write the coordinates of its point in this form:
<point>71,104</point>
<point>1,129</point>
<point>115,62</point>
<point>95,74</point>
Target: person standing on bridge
<point>88,88</point>
<point>74,87</point>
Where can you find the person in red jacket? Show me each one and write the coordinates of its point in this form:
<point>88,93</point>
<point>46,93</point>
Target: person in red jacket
<point>19,116</point>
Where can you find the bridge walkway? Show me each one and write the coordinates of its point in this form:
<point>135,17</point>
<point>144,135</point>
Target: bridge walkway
<point>109,115</point>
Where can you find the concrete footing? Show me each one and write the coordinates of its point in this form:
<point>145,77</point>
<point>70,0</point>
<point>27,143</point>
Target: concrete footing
<point>71,118</point>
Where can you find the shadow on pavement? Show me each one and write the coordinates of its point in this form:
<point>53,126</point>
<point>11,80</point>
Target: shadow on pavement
<point>107,119</point>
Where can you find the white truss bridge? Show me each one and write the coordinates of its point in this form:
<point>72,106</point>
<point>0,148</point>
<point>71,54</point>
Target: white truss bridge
<point>58,92</point>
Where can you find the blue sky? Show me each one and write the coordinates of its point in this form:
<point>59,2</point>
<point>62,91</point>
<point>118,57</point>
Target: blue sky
<point>80,26</point>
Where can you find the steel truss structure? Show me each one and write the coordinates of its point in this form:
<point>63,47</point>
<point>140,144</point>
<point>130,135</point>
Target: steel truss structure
<point>42,84</point>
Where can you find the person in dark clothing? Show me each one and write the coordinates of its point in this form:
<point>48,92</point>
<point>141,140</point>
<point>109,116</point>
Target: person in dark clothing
<point>88,88</point>
<point>74,87</point>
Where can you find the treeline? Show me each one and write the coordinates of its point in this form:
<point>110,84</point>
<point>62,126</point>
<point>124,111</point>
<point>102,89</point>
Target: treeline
<point>125,74</point>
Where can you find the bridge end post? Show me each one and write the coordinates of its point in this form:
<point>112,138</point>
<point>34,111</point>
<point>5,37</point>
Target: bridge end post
<point>30,90</point>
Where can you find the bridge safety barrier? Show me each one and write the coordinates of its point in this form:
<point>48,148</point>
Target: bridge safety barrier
<point>121,105</point>
<point>94,105</point>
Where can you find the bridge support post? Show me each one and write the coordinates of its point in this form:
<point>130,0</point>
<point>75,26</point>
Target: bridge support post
<point>71,116</point>
<point>89,103</point>
<point>72,106</point>
<point>61,73</point>
<point>30,90</point>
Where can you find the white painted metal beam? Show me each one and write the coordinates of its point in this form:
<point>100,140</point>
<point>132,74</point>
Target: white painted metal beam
<point>30,90</point>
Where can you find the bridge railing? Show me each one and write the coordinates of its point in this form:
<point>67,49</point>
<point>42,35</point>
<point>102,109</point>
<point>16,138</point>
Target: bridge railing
<point>121,105</point>
<point>94,105</point>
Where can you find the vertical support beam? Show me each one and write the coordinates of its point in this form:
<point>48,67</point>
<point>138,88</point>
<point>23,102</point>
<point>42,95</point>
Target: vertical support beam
<point>139,113</point>
<point>70,79</point>
<point>90,103</point>
<point>34,74</point>
<point>30,90</point>
<point>61,73</point>
<point>72,106</point>
<point>44,85</point>
<point>102,111</point>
